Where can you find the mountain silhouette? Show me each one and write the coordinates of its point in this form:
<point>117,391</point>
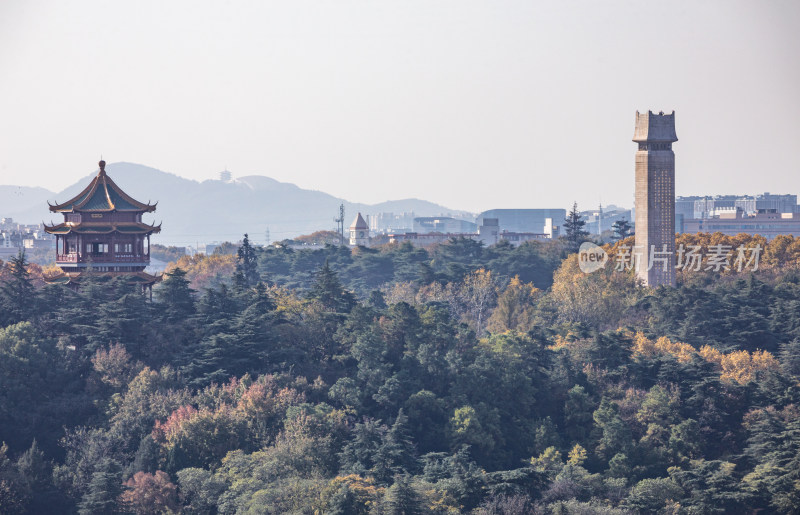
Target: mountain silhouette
<point>213,210</point>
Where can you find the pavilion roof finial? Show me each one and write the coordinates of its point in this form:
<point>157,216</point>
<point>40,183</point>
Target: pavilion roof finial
<point>102,165</point>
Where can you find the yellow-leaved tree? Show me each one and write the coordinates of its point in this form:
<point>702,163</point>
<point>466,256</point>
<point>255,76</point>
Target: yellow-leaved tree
<point>515,308</point>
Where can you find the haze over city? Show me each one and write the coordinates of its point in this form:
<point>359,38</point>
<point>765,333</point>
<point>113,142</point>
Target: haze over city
<point>473,105</point>
<point>399,257</point>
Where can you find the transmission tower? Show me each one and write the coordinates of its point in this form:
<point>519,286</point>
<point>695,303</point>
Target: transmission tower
<point>340,224</point>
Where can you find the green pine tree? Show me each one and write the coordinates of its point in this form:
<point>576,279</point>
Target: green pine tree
<point>17,294</point>
<point>246,275</point>
<point>622,229</point>
<point>401,498</point>
<point>105,487</point>
<point>573,227</point>
<point>176,295</point>
<point>329,292</point>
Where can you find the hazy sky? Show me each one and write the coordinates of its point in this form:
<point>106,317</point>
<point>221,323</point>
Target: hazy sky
<point>475,105</point>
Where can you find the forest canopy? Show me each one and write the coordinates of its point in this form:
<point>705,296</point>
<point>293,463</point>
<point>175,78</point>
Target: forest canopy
<point>457,379</point>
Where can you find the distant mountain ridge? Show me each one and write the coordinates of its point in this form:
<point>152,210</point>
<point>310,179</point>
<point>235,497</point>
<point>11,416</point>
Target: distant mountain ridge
<point>213,210</point>
<point>14,199</point>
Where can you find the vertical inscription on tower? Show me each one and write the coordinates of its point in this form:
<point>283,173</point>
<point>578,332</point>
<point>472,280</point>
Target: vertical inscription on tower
<point>655,198</point>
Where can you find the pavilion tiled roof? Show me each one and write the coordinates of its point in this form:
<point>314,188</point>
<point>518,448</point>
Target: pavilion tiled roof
<point>102,194</point>
<point>99,228</point>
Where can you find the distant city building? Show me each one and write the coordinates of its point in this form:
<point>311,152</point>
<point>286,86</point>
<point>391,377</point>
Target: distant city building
<point>766,214</point>
<point>15,236</point>
<point>768,223</point>
<point>488,233</point>
<point>225,176</point>
<point>359,232</point>
<point>518,238</point>
<point>424,239</point>
<point>443,224</point>
<point>655,198</point>
<point>603,218</point>
<point>385,223</point>
<point>526,220</point>
<point>37,243</point>
<point>709,206</point>
<point>551,229</point>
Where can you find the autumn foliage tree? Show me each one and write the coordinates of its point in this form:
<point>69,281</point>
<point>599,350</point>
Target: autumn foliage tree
<point>150,494</point>
<point>515,309</point>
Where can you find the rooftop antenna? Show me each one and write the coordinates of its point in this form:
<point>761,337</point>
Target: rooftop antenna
<point>340,224</point>
<point>600,220</point>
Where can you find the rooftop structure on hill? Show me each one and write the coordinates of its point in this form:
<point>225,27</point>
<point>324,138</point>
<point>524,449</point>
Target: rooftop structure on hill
<point>103,232</point>
<point>359,232</point>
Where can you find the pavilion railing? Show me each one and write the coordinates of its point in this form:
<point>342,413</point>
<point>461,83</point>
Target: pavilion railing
<point>101,258</point>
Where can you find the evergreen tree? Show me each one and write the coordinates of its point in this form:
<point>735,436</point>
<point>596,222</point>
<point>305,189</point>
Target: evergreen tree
<point>622,229</point>
<point>329,292</point>
<point>573,227</point>
<point>103,491</point>
<point>345,502</point>
<point>125,320</point>
<point>37,475</point>
<point>254,329</point>
<point>246,275</point>
<point>17,294</point>
<point>176,296</point>
<point>789,356</point>
<point>359,455</point>
<point>616,436</point>
<point>13,494</point>
<point>377,300</point>
<point>578,410</point>
<point>399,446</point>
<point>401,498</point>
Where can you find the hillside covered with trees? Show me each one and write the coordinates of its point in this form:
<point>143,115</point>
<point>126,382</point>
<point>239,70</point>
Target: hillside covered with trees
<point>460,379</point>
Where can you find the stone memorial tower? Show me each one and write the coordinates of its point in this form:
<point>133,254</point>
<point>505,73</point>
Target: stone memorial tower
<point>655,198</point>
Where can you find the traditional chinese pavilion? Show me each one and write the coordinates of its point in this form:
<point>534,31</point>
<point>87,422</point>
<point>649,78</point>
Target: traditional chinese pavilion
<point>103,232</point>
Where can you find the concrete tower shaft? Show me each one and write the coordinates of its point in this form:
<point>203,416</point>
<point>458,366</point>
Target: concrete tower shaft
<point>655,198</point>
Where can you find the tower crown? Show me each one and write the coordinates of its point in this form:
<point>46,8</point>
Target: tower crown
<point>652,127</point>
